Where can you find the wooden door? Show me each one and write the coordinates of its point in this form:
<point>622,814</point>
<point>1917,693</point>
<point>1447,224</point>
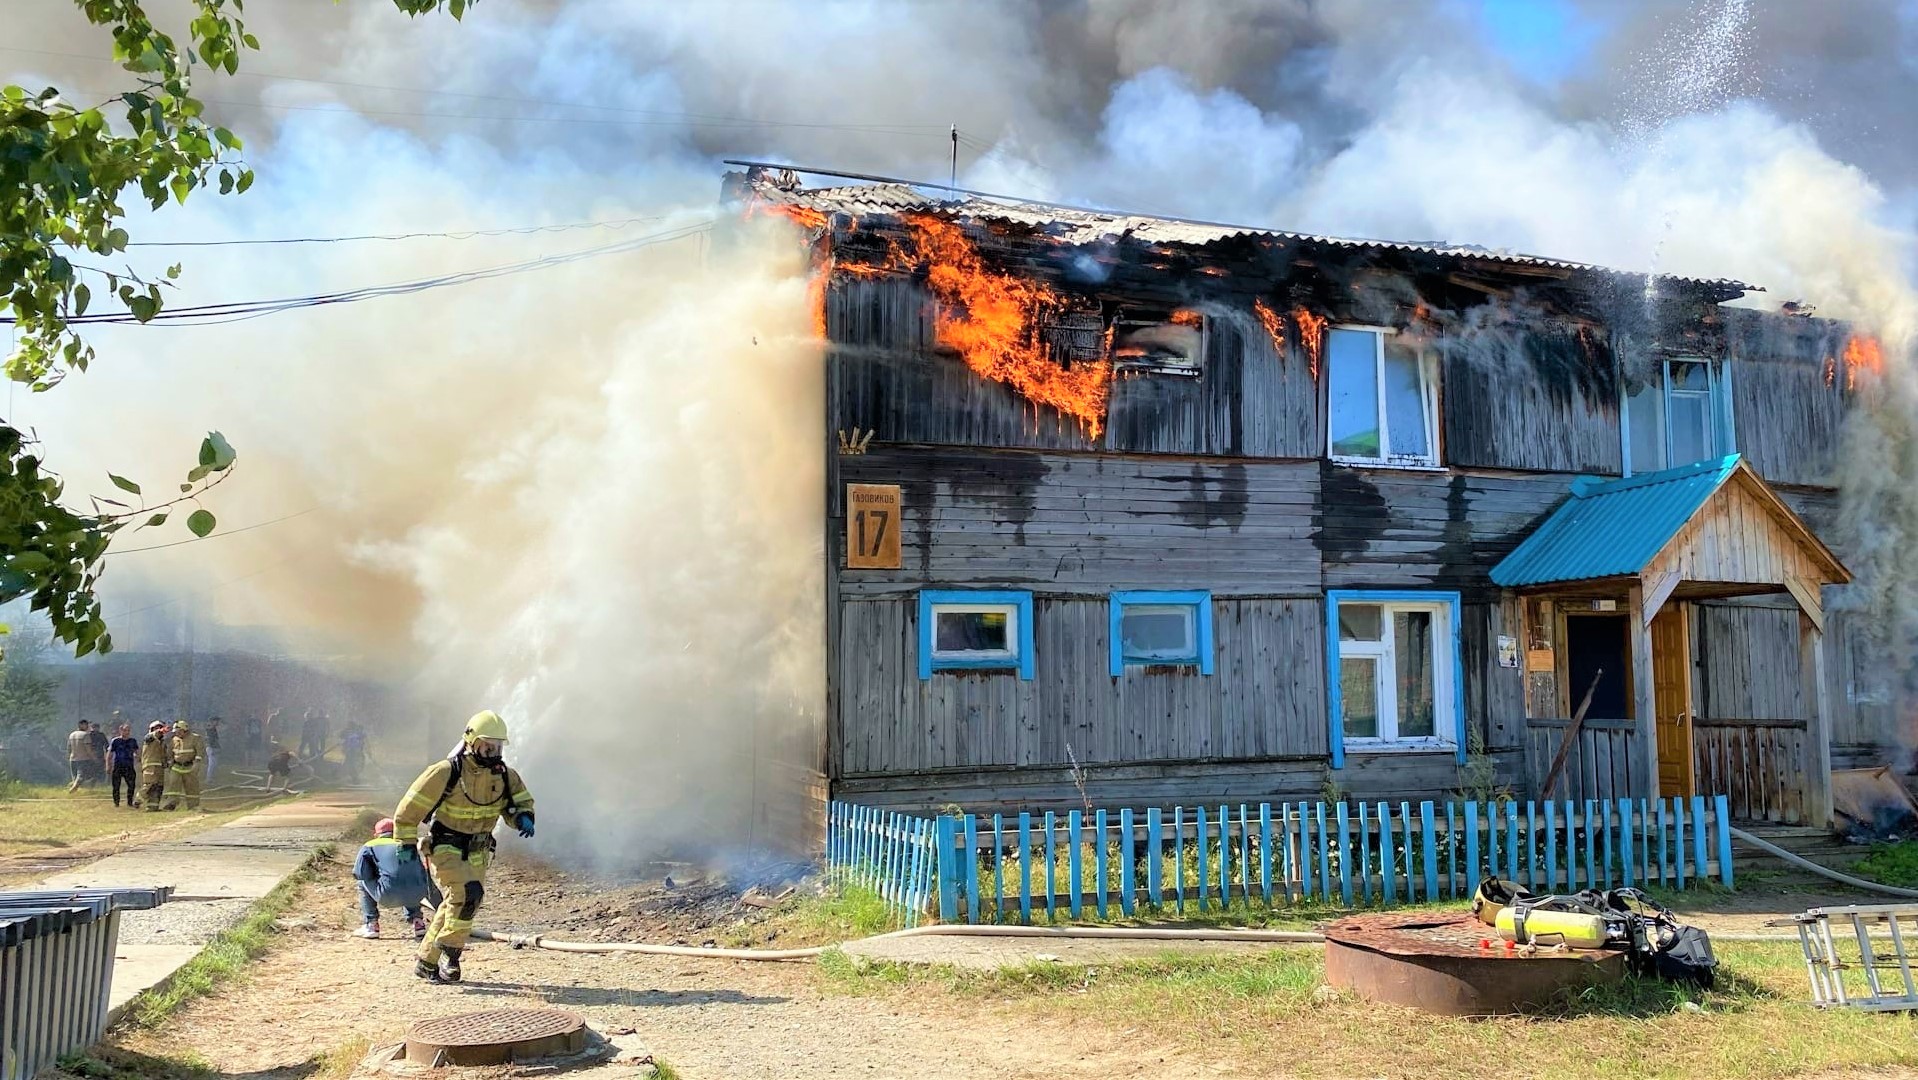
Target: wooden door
<point>1672,698</point>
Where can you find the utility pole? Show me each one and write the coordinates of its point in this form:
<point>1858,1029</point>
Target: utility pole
<point>954,182</point>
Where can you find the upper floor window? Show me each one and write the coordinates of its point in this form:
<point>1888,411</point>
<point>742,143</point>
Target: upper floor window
<point>1681,415</point>
<point>1382,399</point>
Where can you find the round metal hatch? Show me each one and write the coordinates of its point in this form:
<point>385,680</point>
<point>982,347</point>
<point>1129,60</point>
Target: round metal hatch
<point>496,1037</point>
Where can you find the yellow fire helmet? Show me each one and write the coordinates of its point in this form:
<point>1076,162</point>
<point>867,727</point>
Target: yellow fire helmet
<point>486,725</point>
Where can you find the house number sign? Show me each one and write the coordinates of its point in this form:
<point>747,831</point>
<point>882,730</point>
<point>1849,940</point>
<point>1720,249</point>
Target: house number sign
<point>872,526</point>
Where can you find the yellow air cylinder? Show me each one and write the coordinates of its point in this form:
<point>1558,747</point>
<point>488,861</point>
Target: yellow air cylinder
<point>1556,927</point>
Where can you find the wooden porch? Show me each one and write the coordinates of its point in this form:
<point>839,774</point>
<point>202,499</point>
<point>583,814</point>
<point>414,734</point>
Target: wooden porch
<point>1620,641</point>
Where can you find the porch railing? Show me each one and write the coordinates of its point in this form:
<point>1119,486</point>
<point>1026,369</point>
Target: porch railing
<point>1021,867</point>
<point>1758,764</point>
<point>1603,764</point>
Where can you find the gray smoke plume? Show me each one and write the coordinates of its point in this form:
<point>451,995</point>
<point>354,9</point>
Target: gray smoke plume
<point>591,495</point>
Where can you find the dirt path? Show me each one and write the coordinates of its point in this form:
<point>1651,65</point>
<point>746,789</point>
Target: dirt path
<point>321,990</point>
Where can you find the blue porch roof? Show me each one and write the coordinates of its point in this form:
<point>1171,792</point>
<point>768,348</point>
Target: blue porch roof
<point>1612,528</point>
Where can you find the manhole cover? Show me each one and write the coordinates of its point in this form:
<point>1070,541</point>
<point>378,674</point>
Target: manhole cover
<point>496,1037</point>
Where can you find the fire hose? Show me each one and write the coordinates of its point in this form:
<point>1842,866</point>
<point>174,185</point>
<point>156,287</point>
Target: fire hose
<point>1823,871</point>
<point>1055,933</point>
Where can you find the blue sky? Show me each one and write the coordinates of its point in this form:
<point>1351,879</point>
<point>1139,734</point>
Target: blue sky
<point>1544,40</point>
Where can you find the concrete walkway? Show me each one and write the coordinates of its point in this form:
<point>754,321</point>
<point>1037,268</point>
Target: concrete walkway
<point>216,875</point>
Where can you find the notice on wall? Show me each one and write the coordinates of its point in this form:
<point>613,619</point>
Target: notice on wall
<point>872,526</point>
<point>1540,660</point>
<point>1507,651</point>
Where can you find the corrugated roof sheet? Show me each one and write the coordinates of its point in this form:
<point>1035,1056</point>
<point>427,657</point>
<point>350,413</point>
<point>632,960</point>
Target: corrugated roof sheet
<point>1075,226</point>
<point>1612,528</point>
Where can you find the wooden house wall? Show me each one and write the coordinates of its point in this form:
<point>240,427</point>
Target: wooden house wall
<point>1396,528</point>
<point>1075,524</point>
<point>1250,399</point>
<point>1748,662</point>
<point>1734,537</point>
<point>1540,400</point>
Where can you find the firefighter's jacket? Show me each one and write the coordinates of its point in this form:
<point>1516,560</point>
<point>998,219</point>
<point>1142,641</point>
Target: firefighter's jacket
<point>153,754</point>
<point>185,751</point>
<point>471,803</point>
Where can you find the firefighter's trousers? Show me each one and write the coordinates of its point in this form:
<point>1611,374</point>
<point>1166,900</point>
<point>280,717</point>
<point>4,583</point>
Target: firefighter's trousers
<point>461,878</point>
<point>152,785</point>
<point>186,783</point>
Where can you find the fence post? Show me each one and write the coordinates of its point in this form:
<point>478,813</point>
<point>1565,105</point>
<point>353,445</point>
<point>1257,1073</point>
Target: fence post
<point>1722,826</point>
<point>1345,855</point>
<point>1178,856</point>
<point>1626,856</point>
<point>916,839</point>
<point>1052,853</point>
<point>969,862</point>
<point>1127,853</point>
<point>1427,823</point>
<point>1154,858</point>
<point>1265,852</point>
<point>1678,838</point>
<point>998,869</point>
<point>1365,851</point>
<point>948,835</point>
<point>1471,843</point>
<point>1225,858</point>
<point>1698,837</point>
<point>1075,856</point>
<point>1551,847</point>
<point>1388,859</point>
<point>1205,884</point>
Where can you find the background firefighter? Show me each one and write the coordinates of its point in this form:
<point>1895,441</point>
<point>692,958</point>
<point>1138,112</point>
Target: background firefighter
<point>153,754</point>
<point>461,799</point>
<point>186,756</point>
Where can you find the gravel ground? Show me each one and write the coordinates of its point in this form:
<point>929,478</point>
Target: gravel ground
<point>185,923</point>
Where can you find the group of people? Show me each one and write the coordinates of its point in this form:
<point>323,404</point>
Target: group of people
<point>173,763</point>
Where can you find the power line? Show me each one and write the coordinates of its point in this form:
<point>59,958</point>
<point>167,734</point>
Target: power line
<point>467,234</point>
<point>237,311</point>
<point>213,535</point>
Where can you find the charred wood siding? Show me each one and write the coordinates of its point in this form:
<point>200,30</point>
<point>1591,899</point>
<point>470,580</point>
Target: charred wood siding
<point>1073,524</point>
<point>1787,420</point>
<point>1387,528</point>
<point>1540,401</point>
<point>1266,700</point>
<point>1249,399</point>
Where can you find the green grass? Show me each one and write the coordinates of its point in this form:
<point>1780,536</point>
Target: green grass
<point>838,914</point>
<point>227,955</point>
<point>1893,864</point>
<point>1274,1007</point>
<point>112,1063</point>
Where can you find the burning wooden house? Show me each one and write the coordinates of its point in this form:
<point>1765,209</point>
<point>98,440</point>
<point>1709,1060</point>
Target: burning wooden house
<point>1144,512</point>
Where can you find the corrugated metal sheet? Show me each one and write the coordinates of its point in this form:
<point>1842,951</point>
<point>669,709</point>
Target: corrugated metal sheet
<point>1612,528</point>
<point>1076,226</point>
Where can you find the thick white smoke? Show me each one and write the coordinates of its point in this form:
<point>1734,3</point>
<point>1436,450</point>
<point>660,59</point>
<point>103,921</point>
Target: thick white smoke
<point>591,494</point>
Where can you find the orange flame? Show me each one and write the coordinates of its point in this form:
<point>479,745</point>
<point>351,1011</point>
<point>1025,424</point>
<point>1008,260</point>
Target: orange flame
<point>1274,324</point>
<point>992,319</point>
<point>816,300</point>
<point>1862,353</point>
<point>1831,371</point>
<point>1312,336</point>
<point>1187,317</point>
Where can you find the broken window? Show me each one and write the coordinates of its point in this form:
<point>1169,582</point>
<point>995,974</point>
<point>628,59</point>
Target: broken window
<point>1382,399</point>
<point>1161,628</point>
<point>1681,415</point>
<point>1394,672</point>
<point>1160,343</point>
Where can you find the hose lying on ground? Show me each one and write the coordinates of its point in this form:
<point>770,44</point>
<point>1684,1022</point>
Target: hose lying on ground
<point>1823,871</point>
<point>1060,933</point>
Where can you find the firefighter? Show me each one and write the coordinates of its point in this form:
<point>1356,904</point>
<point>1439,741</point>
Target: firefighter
<point>186,756</point>
<point>461,800</point>
<point>153,765</point>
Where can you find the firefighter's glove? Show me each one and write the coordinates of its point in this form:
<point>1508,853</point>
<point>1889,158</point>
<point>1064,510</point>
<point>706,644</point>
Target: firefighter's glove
<point>525,825</point>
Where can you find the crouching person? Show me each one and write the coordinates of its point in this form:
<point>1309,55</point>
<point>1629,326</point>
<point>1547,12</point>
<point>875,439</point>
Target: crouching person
<point>460,801</point>
<point>388,881</point>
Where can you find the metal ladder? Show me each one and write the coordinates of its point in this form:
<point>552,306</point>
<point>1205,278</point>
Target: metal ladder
<point>1841,940</point>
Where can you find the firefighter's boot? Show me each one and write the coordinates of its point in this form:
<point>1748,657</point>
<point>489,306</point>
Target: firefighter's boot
<point>449,970</point>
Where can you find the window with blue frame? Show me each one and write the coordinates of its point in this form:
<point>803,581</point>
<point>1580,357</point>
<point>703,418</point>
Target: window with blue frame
<point>1681,415</point>
<point>1150,629</point>
<point>1395,679</point>
<point>975,630</point>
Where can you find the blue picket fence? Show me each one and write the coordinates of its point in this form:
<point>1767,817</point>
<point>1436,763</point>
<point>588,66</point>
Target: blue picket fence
<point>1006,868</point>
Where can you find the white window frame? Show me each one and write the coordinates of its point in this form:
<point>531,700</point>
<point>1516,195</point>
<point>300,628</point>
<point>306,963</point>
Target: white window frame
<point>1428,394</point>
<point>1005,657</point>
<point>1720,431</point>
<point>1385,653</point>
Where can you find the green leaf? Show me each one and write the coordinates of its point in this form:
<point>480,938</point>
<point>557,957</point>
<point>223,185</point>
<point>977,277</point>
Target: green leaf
<point>31,562</point>
<point>157,519</point>
<point>124,484</point>
<point>184,488</point>
<point>223,452</point>
<point>245,181</point>
<point>200,522</point>
<point>81,296</point>
<point>197,474</point>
